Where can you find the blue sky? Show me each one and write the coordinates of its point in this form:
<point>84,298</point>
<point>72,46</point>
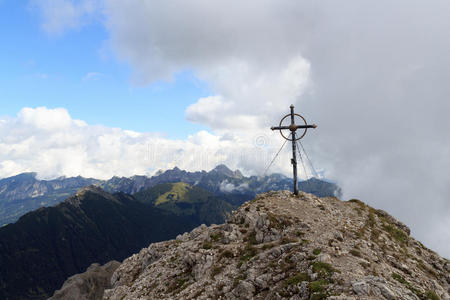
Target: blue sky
<point>39,69</point>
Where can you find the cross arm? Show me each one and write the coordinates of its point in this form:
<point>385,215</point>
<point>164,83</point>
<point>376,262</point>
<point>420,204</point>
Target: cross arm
<point>296,127</point>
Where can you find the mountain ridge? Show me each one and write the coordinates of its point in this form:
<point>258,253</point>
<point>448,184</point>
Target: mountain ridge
<point>24,192</point>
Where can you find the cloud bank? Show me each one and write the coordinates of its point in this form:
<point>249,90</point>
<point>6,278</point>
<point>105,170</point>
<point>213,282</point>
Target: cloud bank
<point>52,143</point>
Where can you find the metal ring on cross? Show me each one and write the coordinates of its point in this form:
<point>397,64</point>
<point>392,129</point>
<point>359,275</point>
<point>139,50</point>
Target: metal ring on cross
<point>304,129</point>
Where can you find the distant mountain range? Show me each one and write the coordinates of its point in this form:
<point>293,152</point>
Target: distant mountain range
<point>24,192</point>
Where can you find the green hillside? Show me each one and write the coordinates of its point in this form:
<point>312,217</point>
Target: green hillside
<point>184,199</point>
<point>178,193</point>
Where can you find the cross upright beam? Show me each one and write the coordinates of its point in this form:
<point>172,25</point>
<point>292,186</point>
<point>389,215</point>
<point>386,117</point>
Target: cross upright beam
<point>293,128</point>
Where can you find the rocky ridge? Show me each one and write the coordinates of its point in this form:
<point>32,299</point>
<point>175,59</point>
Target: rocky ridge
<point>281,246</point>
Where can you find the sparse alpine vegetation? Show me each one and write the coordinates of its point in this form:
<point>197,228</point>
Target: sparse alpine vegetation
<point>283,247</point>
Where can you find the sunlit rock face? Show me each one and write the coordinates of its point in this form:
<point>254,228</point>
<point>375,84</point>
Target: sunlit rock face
<point>281,246</point>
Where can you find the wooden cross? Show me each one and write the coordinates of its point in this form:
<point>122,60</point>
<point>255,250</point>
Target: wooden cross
<point>293,138</point>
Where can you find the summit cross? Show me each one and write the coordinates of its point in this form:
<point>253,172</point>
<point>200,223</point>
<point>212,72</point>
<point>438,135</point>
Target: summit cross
<point>293,138</point>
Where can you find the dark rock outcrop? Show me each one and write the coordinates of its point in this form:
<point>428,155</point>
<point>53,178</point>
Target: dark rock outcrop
<point>89,285</point>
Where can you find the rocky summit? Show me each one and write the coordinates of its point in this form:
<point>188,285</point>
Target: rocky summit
<point>279,246</point>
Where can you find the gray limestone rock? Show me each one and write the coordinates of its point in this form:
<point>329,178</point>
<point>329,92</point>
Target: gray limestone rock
<point>89,285</point>
<point>361,288</point>
<point>324,257</point>
<point>244,290</point>
<point>264,251</point>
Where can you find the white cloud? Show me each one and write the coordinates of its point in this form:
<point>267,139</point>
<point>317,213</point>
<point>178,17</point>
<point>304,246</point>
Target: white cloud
<point>59,16</point>
<point>250,98</point>
<point>51,143</point>
<point>92,76</point>
<point>228,187</point>
<point>43,118</point>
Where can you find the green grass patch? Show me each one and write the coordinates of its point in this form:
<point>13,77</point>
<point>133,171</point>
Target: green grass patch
<point>403,281</point>
<point>357,201</point>
<point>395,233</point>
<point>319,287</point>
<point>365,265</point>
<point>178,285</point>
<point>319,296</point>
<point>278,221</point>
<point>355,252</point>
<point>227,254</point>
<point>399,278</point>
<point>248,252</point>
<point>267,246</point>
<point>317,251</point>
<point>432,296</point>
<point>375,235</point>
<point>424,268</point>
<point>177,192</point>
<point>252,238</point>
<point>216,270</point>
<point>371,218</point>
<point>296,279</point>
<point>286,240</point>
<point>216,236</point>
<point>207,245</point>
<point>324,270</point>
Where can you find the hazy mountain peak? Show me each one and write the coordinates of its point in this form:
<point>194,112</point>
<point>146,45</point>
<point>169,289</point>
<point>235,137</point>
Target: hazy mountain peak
<point>223,169</point>
<point>25,175</point>
<point>82,194</point>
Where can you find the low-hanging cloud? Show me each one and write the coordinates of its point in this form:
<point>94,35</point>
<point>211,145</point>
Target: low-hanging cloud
<point>229,187</point>
<point>373,75</point>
